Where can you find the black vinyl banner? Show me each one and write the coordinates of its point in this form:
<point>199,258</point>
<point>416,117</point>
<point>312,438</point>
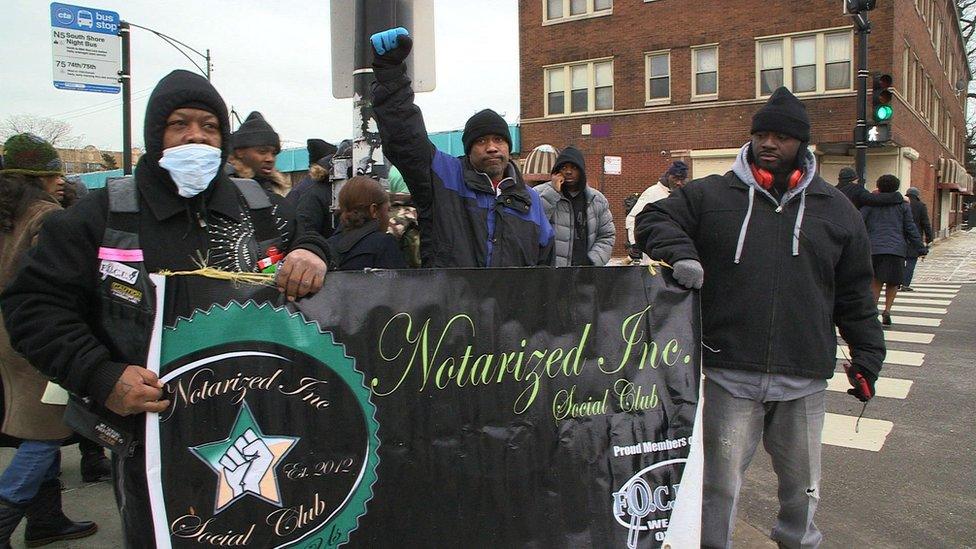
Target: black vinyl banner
<point>429,408</point>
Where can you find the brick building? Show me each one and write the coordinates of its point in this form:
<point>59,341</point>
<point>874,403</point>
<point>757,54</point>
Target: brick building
<point>89,159</point>
<point>644,82</point>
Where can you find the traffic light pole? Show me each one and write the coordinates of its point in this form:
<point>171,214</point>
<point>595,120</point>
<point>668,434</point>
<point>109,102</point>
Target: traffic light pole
<point>860,130</point>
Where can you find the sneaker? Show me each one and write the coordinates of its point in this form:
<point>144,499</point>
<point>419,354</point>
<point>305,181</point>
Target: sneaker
<point>886,318</point>
<point>907,289</point>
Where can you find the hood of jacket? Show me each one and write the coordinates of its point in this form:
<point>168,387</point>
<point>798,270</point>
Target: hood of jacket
<point>180,89</point>
<point>571,155</point>
<point>742,169</point>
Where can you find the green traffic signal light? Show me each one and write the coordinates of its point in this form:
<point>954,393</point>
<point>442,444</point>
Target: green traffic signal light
<point>883,113</point>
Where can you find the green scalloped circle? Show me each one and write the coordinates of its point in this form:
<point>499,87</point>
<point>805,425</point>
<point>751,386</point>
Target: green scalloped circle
<point>251,322</point>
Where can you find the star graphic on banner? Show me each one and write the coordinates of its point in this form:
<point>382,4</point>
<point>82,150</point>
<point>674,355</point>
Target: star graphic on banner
<point>245,461</point>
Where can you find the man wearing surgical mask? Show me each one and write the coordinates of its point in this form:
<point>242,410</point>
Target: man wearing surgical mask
<point>61,311</point>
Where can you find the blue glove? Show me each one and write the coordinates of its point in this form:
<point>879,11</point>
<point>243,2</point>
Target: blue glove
<point>391,47</point>
<point>689,273</point>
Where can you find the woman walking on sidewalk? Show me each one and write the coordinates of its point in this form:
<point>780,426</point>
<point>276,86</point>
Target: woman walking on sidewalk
<point>30,185</point>
<point>891,231</point>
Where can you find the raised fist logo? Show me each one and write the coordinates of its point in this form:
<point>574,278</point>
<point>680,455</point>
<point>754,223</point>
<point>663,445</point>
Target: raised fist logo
<point>246,462</point>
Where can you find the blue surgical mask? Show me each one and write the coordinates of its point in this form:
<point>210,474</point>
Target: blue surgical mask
<point>191,166</point>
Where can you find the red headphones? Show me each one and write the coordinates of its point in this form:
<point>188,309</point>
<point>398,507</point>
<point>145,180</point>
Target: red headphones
<point>765,177</point>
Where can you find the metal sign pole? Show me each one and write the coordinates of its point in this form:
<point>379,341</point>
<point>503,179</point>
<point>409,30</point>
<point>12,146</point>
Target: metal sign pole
<point>125,76</point>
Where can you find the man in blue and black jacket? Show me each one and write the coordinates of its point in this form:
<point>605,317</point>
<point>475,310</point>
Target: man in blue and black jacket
<point>474,210</point>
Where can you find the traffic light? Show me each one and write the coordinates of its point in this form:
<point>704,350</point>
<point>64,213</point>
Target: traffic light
<point>881,107</point>
<point>854,7</point>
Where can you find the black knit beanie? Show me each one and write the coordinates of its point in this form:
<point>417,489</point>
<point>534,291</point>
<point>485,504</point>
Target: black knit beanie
<point>319,149</point>
<point>784,114</point>
<point>181,89</point>
<point>255,132</point>
<point>486,122</point>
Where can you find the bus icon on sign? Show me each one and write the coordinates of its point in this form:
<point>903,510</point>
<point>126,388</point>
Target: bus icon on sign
<point>85,19</point>
<point>64,16</point>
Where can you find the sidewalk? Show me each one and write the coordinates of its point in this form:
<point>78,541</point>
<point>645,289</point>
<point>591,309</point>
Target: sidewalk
<point>952,259</point>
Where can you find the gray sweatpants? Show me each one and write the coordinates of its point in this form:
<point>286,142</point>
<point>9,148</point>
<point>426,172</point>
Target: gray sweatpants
<point>790,431</point>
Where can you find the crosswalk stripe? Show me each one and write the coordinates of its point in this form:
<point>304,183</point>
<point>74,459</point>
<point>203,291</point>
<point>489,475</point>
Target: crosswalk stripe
<point>909,301</point>
<point>928,294</point>
<point>906,337</point>
<point>888,387</point>
<point>839,431</point>
<point>901,358</point>
<point>924,310</point>
<point>915,321</point>
<point>938,288</point>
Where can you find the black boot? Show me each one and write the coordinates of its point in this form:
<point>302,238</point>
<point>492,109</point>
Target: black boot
<point>46,522</point>
<point>10,516</point>
<point>94,465</point>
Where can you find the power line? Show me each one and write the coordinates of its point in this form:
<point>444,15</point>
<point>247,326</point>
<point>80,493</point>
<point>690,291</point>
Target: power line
<point>100,109</point>
<point>115,102</point>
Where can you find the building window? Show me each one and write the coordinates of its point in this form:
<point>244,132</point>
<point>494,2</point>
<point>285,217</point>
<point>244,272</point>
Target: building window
<point>815,63</point>
<point>588,85</point>
<point>771,67</point>
<point>658,69</point>
<point>837,61</point>
<point>805,64</point>
<point>556,10</point>
<point>704,83</point>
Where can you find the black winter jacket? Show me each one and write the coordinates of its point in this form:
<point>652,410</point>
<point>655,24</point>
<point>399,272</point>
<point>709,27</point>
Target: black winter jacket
<point>859,196</point>
<point>772,312</point>
<point>891,230</point>
<point>920,213</point>
<point>365,248</point>
<point>462,221</point>
<point>51,309</point>
<point>315,208</point>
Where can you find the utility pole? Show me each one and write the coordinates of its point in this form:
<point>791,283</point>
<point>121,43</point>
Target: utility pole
<point>863,27</point>
<point>859,9</point>
<point>372,16</point>
<point>125,77</point>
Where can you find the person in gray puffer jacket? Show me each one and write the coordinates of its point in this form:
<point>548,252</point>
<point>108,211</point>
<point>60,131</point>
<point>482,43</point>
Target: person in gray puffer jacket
<point>578,213</point>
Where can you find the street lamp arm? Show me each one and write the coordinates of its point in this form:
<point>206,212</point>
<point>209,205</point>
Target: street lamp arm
<point>190,59</point>
<point>177,45</point>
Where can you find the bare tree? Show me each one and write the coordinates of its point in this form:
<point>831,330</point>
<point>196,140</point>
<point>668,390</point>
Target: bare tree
<point>967,20</point>
<point>57,132</point>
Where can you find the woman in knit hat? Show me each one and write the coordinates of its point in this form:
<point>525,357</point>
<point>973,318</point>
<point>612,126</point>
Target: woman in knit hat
<point>30,185</point>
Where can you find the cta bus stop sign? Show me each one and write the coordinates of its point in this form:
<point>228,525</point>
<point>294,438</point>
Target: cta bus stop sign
<point>86,47</point>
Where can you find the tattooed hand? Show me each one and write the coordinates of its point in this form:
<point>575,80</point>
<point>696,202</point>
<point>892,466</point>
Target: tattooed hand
<point>137,390</point>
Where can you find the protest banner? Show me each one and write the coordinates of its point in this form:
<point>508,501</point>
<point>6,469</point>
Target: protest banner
<point>429,408</point>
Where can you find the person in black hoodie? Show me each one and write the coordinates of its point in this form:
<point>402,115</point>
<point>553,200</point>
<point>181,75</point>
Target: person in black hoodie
<point>579,214</point>
<point>780,257</point>
<point>362,241</point>
<point>85,333</point>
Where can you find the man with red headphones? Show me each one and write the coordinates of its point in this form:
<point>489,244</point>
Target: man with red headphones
<point>781,257</point>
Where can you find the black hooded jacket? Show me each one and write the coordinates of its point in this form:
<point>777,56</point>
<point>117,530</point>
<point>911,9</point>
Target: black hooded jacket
<point>52,307</point>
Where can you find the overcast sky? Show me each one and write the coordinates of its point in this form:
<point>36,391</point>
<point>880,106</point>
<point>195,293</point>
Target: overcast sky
<point>268,55</point>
